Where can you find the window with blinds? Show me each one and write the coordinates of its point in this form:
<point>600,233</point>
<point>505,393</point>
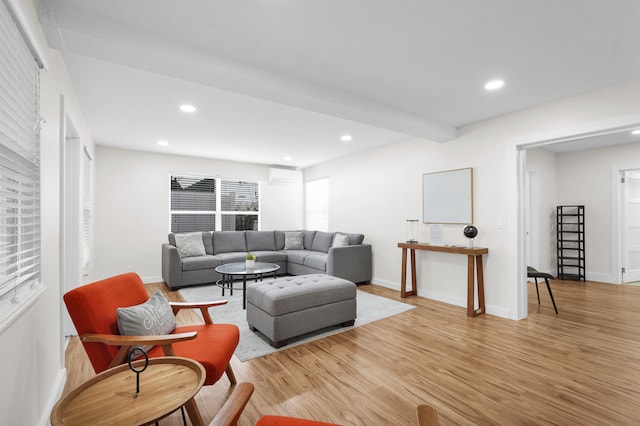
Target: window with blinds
<point>317,204</point>
<point>19,172</point>
<point>212,204</point>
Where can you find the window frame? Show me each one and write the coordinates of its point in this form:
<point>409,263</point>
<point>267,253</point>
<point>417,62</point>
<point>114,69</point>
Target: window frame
<point>219,213</point>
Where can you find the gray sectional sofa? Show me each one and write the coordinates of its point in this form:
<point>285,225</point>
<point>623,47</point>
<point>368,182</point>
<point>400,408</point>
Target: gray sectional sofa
<point>297,252</point>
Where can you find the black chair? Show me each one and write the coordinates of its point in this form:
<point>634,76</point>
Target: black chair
<point>535,274</point>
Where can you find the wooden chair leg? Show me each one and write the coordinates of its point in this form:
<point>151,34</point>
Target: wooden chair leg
<point>427,416</point>
<point>550,294</point>
<point>231,375</point>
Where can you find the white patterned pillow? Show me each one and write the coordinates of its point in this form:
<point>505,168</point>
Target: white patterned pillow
<point>152,318</point>
<point>340,240</point>
<point>293,241</point>
<point>190,245</point>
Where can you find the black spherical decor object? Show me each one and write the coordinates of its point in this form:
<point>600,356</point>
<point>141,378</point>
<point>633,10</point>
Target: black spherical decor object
<point>470,231</point>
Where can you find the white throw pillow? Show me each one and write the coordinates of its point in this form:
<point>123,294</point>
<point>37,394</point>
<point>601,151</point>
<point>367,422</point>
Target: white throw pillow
<point>190,245</point>
<point>340,240</point>
<point>293,241</point>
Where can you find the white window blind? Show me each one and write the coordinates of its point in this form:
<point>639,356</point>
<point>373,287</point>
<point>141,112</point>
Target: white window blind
<point>212,204</point>
<point>317,204</point>
<point>237,198</point>
<point>19,171</point>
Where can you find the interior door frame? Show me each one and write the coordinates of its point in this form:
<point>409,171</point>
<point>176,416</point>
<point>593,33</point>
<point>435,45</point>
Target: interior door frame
<point>617,198</point>
<point>70,246</point>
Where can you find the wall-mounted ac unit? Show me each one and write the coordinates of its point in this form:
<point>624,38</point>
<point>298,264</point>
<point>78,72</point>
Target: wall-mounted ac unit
<point>277,175</point>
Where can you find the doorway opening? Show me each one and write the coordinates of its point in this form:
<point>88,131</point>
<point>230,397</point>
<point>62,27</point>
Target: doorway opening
<point>615,134</point>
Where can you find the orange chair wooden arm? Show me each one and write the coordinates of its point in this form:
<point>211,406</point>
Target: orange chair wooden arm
<point>126,342</point>
<point>122,340</point>
<point>233,407</point>
<point>203,306</point>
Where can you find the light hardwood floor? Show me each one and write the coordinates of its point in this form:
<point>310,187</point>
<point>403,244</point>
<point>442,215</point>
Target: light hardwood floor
<point>581,367</point>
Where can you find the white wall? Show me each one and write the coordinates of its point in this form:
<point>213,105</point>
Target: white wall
<point>375,192</point>
<point>132,201</point>
<point>584,177</point>
<point>32,353</point>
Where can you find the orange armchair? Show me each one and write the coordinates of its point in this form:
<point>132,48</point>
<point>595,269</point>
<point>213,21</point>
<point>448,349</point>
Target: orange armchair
<point>92,308</point>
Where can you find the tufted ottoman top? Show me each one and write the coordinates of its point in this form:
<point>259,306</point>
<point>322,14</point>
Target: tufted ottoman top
<point>294,293</point>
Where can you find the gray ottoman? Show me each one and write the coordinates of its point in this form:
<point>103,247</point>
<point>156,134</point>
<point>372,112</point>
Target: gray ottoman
<point>286,307</point>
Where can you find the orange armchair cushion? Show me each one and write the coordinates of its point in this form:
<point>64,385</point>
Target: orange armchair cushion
<point>92,308</point>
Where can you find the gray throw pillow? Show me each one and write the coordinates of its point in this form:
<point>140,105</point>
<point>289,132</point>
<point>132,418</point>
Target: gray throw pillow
<point>190,245</point>
<point>152,318</point>
<point>293,241</point>
<point>340,240</point>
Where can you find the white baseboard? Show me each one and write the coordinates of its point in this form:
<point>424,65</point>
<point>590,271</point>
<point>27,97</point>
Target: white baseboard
<point>54,396</point>
<point>387,284</point>
<point>602,278</point>
<point>492,310</point>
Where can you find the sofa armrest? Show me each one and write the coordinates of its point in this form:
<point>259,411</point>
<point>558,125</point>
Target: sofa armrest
<point>171,266</point>
<point>352,263</point>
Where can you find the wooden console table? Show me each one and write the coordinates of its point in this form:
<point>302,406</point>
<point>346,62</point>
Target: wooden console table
<point>473,255</point>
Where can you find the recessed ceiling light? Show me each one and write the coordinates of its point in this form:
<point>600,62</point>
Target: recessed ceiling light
<point>288,158</point>
<point>494,84</point>
<point>636,132</point>
<point>163,143</point>
<point>187,108</point>
<point>345,138</point>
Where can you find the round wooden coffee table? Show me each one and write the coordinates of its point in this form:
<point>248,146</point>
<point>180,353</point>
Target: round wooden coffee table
<point>110,398</point>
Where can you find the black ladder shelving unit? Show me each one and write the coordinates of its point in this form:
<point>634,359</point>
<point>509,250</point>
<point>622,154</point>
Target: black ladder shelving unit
<point>570,229</point>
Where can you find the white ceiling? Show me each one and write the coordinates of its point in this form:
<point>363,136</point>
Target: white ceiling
<point>276,78</point>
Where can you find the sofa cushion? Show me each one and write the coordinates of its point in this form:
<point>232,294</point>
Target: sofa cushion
<point>260,240</point>
<point>297,256</point>
<point>279,237</point>
<point>270,256</point>
<point>355,239</point>
<point>201,262</point>
<point>322,241</point>
<point>231,257</point>
<point>308,239</point>
<point>340,240</point>
<point>229,241</point>
<point>316,261</point>
<point>190,244</point>
<point>293,240</point>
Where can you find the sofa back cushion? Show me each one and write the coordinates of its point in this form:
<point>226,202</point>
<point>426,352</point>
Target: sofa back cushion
<point>322,241</point>
<point>206,240</point>
<point>229,241</point>
<point>260,240</point>
<point>279,238</point>
<point>308,239</point>
<point>355,239</point>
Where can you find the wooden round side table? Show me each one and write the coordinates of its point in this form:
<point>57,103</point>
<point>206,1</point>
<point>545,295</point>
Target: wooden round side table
<point>110,398</point>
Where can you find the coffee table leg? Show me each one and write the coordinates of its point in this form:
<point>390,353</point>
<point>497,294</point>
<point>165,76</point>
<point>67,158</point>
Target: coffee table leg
<point>244,291</point>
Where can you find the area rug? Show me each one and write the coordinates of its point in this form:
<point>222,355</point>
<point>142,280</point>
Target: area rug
<point>370,308</point>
